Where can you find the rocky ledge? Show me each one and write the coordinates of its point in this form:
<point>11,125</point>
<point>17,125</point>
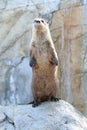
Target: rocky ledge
<point>48,116</point>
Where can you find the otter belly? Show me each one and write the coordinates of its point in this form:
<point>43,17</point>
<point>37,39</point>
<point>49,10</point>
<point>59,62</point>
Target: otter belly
<point>44,84</point>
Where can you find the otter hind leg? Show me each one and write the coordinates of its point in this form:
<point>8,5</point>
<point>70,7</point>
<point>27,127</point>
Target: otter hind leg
<point>55,99</point>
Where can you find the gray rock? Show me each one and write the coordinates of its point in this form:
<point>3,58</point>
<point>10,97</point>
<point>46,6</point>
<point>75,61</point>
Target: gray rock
<point>2,117</point>
<point>47,116</point>
<point>16,89</point>
<point>19,82</point>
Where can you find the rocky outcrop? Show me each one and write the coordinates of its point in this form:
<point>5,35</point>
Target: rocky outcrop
<point>47,116</point>
<point>69,34</point>
<point>68,27</point>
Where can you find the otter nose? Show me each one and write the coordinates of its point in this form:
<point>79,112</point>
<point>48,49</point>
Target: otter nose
<point>37,21</point>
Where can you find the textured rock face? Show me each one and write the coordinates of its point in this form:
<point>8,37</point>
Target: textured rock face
<point>68,37</point>
<point>17,86</point>
<point>68,25</point>
<point>69,33</point>
<point>47,116</point>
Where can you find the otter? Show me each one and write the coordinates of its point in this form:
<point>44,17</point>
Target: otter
<point>44,63</point>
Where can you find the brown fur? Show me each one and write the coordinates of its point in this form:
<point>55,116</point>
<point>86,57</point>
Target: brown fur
<point>44,81</point>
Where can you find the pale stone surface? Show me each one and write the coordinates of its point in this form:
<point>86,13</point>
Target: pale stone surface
<point>47,116</point>
<point>18,82</point>
<point>68,25</point>
<point>67,32</point>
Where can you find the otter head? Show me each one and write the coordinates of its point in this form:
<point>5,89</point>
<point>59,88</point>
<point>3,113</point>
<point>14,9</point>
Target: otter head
<point>40,25</point>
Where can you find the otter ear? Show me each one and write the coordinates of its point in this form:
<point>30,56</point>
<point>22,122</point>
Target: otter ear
<point>46,21</point>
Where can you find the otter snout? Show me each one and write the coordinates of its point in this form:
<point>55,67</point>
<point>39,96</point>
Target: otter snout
<point>37,21</point>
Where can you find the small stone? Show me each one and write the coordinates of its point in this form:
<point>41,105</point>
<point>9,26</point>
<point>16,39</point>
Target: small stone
<point>2,117</point>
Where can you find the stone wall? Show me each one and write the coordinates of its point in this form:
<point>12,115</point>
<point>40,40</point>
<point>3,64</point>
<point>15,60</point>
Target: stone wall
<point>68,23</point>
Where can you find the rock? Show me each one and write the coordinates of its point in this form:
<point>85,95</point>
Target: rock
<point>47,116</point>
<point>67,44</point>
<point>2,117</point>
<point>68,32</point>
<point>19,77</point>
<point>68,25</point>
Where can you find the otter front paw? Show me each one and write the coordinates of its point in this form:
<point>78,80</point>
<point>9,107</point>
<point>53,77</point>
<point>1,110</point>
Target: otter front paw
<point>32,61</point>
<point>54,60</point>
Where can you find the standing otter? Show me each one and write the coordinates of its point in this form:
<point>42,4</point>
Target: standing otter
<point>44,63</point>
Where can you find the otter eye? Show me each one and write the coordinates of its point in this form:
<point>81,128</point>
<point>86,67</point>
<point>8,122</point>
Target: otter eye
<point>42,21</point>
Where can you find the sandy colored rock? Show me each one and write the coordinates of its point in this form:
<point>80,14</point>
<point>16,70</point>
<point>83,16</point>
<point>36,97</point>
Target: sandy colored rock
<point>67,33</point>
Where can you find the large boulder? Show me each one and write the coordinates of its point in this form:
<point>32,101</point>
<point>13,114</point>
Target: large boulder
<point>47,116</point>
